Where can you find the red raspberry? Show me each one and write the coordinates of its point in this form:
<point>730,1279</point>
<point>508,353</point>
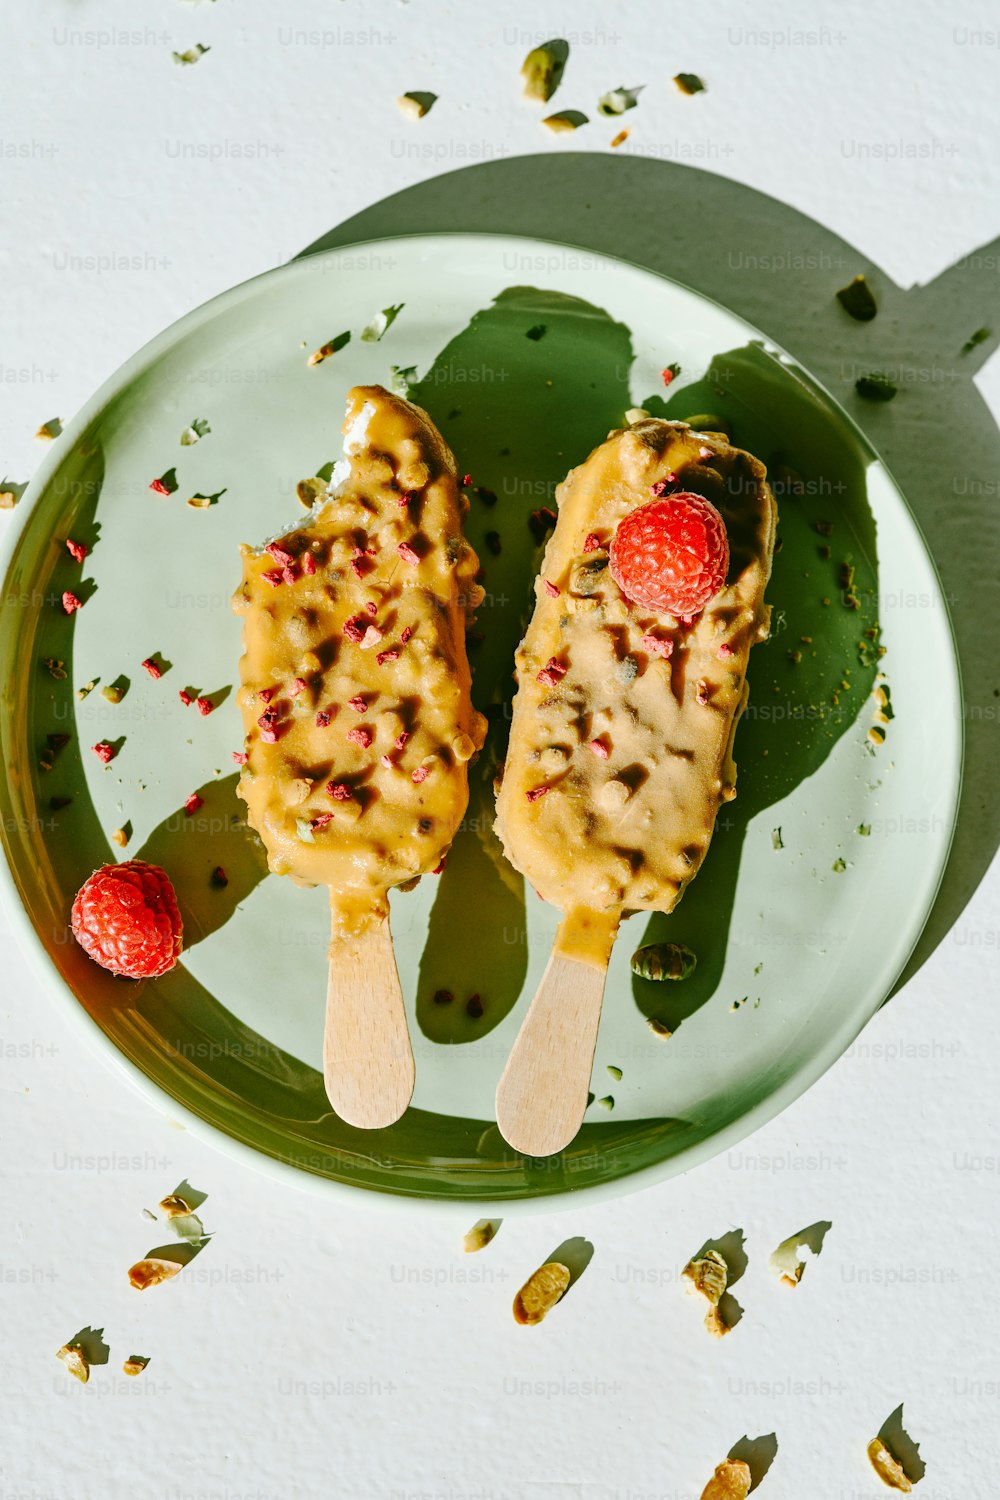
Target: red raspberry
<point>125,917</point>
<point>671,556</point>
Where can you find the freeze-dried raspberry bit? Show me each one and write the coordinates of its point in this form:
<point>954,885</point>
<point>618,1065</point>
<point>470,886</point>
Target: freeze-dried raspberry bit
<point>153,668</point>
<point>268,717</point>
<point>361,735</point>
<point>125,918</point>
<point>535,792</point>
<point>339,791</point>
<point>298,687</point>
<point>420,774</point>
<point>661,486</point>
<point>672,555</point>
<point>265,694</point>
<point>308,564</point>
<point>219,878</point>
<point>204,706</point>
<point>289,575</point>
<point>240,757</point>
<point>408,554</point>
<point>388,762</point>
<point>273,576</point>
<point>599,748</point>
<point>541,521</point>
<point>354,629</point>
<point>724,652</point>
<point>670,374</point>
<point>439,868</point>
<point>401,739</point>
<point>70,602</point>
<point>166,484</point>
<point>658,646</point>
<point>192,804</point>
<point>552,673</point>
<point>281,554</point>
<point>466,481</point>
<point>406,633</point>
<point>104,750</point>
<point>320,821</point>
<point>77,550</point>
<point>270,734</point>
<point>358,704</point>
<point>386,656</point>
<point>701,693</point>
<point>185,697</point>
<point>372,608</point>
<point>591,542</point>
<point>323,718</point>
<point>550,589</point>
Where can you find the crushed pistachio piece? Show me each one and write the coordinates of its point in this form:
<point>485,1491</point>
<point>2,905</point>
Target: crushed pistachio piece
<point>731,1481</point>
<point>535,332</point>
<point>135,1364</point>
<point>689,83</point>
<point>55,667</point>
<point>864,830</point>
<point>199,428</point>
<point>75,1361</point>
<point>373,331</point>
<point>401,378</point>
<point>875,387</point>
<point>615,1072</point>
<point>190,55</point>
<point>786,1262</point>
<point>113,692</point>
<point>658,1028</point>
<point>857,299</point>
<point>608,1102</point>
<point>657,961</point>
<point>88,687</point>
<point>777,842</point>
<point>838,866</point>
<point>325,350</point>
<point>887,1467</point>
<point>979,337</point>
<point>543,68</point>
<point>479,1236</point>
<point>617,101</point>
<point>564,121</point>
<point>415,105</point>
<point>540,1293</point>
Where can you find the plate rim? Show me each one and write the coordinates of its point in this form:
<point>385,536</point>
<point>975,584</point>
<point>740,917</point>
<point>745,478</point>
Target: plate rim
<point>304,1178</point>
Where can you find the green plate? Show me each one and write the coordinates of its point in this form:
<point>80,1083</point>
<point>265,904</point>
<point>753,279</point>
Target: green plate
<point>526,354</point>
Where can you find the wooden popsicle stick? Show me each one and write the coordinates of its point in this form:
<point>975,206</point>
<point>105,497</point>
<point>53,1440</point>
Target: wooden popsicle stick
<point>367,1058</point>
<point>542,1095</point>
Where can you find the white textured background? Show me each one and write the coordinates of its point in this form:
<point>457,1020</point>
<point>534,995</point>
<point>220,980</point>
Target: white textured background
<point>322,1349</point>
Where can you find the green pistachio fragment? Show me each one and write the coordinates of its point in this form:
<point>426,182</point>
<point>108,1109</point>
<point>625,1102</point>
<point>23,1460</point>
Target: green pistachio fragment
<point>875,387</point>
<point>415,105</point>
<point>857,299</point>
<point>617,101</point>
<point>565,120</point>
<point>190,55</point>
<point>381,321</point>
<point>979,337</point>
<point>542,69</point>
<point>658,961</point>
<point>198,429</point>
<point>689,83</point>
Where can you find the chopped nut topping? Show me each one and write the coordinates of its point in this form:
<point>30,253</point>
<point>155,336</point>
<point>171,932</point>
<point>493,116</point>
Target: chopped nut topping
<point>888,1469</point>
<point>540,1293</point>
<point>731,1481</point>
<point>709,1276</point>
<point>153,1270</point>
<point>75,1361</point>
<point>479,1236</point>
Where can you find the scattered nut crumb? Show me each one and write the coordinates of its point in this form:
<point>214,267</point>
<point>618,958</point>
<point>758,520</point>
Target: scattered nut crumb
<point>540,1293</point>
<point>414,106</point>
<point>150,1272</point>
<point>479,1236</point>
<point>75,1361</point>
<point>135,1364</point>
<point>731,1481</point>
<point>619,139</point>
<point>888,1469</point>
<point>709,1276</point>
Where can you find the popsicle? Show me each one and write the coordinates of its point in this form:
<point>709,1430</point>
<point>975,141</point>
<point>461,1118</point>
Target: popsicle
<point>631,681</point>
<point>355,694</point>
